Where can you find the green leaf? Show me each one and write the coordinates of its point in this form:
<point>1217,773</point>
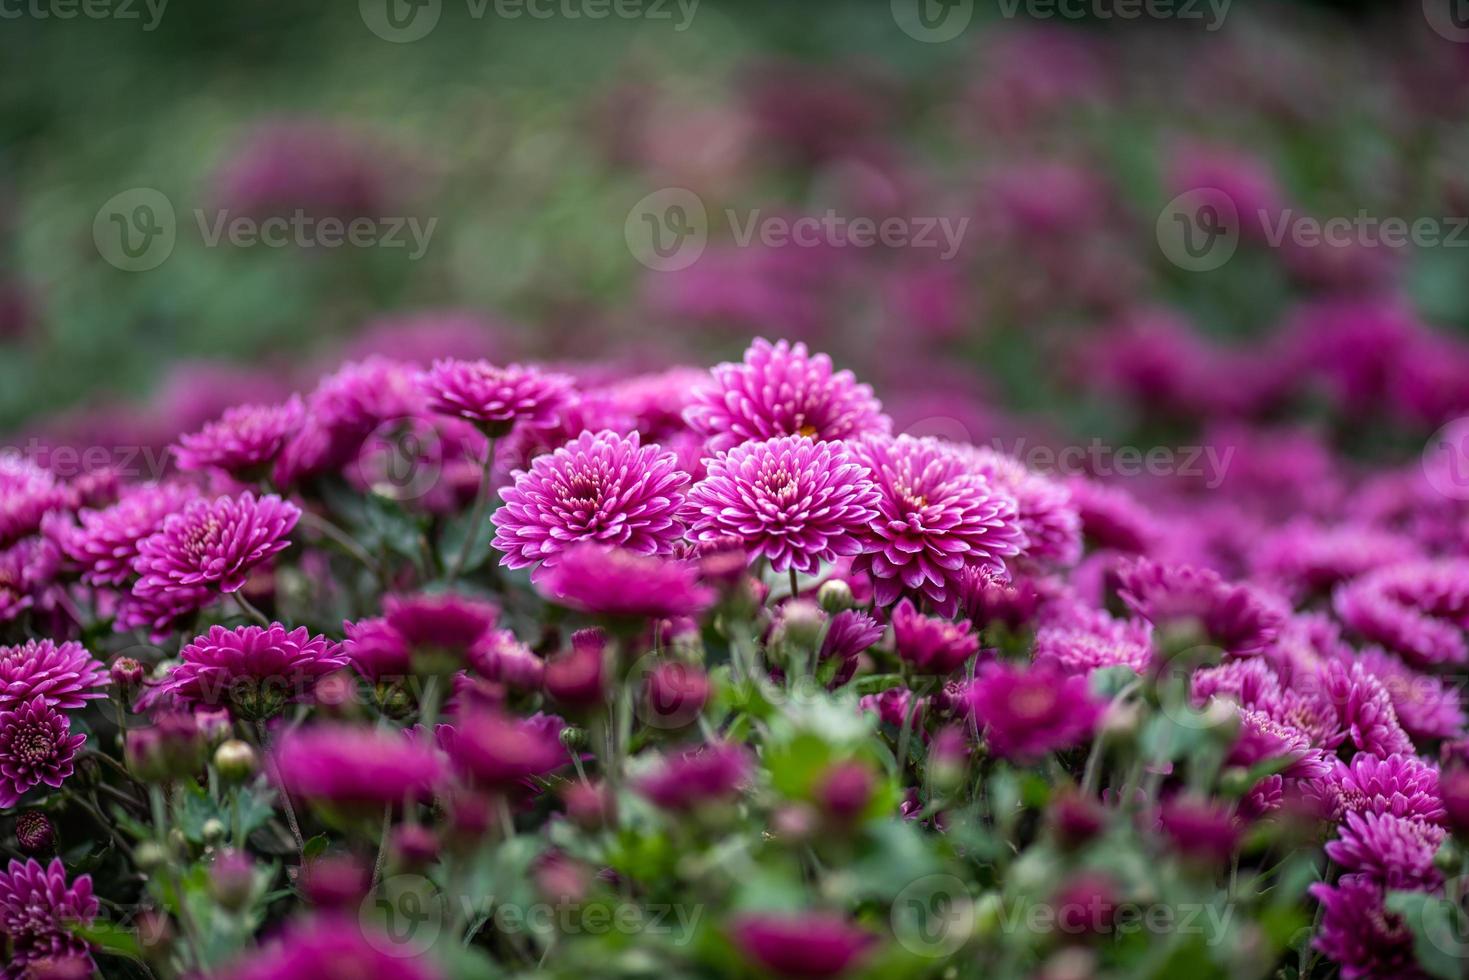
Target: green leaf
<point>1438,928</point>
<point>110,937</point>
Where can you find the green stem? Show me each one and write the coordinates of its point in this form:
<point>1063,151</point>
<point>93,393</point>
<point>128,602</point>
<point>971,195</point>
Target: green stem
<point>250,611</point>
<point>344,541</point>
<point>477,515</point>
<point>286,804</point>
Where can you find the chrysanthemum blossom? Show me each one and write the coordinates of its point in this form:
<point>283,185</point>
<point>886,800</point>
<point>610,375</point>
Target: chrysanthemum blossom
<point>1088,640</point>
<point>36,746</point>
<point>214,544</point>
<point>1365,709</point>
<point>355,768</point>
<point>793,501</point>
<point>343,410</point>
<point>496,751</point>
<point>1401,785</point>
<point>1396,852</point>
<point>931,644</point>
<point>493,397</point>
<point>936,518</point>
<point>1419,610</point>
<point>811,945</point>
<point>334,945</point>
<point>706,776</point>
<point>782,389</point>
<point>604,488</point>
<point>616,583</point>
<point>1044,510</point>
<point>27,494</point>
<point>1239,619</point>
<point>39,910</point>
<point>106,542</point>
<point>1028,712</point>
<point>1426,706</point>
<point>1358,932</point>
<point>65,674</point>
<point>254,670</point>
<point>242,442</point>
<point>27,568</point>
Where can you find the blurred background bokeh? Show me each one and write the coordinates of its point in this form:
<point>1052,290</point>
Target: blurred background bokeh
<point>501,158</point>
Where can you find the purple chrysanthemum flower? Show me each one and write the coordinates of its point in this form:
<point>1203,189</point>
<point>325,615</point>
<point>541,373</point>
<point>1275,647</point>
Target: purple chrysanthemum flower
<point>849,633</point>
<point>782,390</point>
<point>343,410</point>
<point>242,442</point>
<point>710,774</point>
<point>213,544</point>
<point>161,613</point>
<point>1199,828</point>
<point>1401,785</point>
<point>27,494</point>
<point>1237,617</point>
<point>1426,706</point>
<point>106,542</point>
<point>930,644</point>
<point>36,746</point>
<point>613,582</point>
<point>1262,738</point>
<point>936,517</point>
<point>38,910</point>
<point>891,707</point>
<point>1365,709</point>
<point>1044,510</point>
<point>254,670</point>
<point>1306,560</point>
<point>495,398</point>
<point>1417,609</point>
<point>656,402</point>
<point>808,945</point>
<point>26,569</point>
<point>794,501</point>
<point>498,752</point>
<point>1112,518</point>
<point>355,767</point>
<point>1397,852</point>
<point>65,674</point>
<point>1028,712</point>
<point>1085,640</point>
<point>425,632</point>
<point>377,650</point>
<point>1358,932</point>
<point>499,656</point>
<point>334,945</point>
<point>602,488</point>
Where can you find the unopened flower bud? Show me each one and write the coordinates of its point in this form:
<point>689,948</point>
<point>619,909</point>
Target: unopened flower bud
<point>577,677</point>
<point>674,695</point>
<point>835,596</point>
<point>34,832</point>
<point>415,846</point>
<point>212,830</point>
<point>1448,857</point>
<point>845,790</point>
<point>150,856</point>
<point>127,674</point>
<point>800,622</point>
<point>1235,781</point>
<point>232,880</point>
<point>235,760</point>
<point>590,807</point>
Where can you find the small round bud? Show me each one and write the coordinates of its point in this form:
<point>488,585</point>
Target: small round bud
<point>414,846</point>
<point>845,790</point>
<point>150,856</point>
<point>1448,857</point>
<point>835,596</point>
<point>674,694</point>
<point>590,807</point>
<point>235,760</point>
<point>801,622</point>
<point>127,673</point>
<point>34,832</point>
<point>1235,781</point>
<point>213,830</point>
<point>232,880</point>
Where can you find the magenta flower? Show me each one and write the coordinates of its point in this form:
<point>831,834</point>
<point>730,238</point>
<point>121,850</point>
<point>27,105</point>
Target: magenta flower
<point>427,633</point>
<point>27,494</point>
<point>1262,738</point>
<point>1304,560</point>
<point>498,752</point>
<point>1112,518</point>
<point>106,543</point>
<point>709,775</point>
<point>1088,639</point>
<point>26,569</point>
<point>807,945</point>
<point>1044,510</point>
<point>1417,609</point>
<point>931,645</point>
<point>38,909</point>
<point>618,583</point>
<point>343,410</point>
<point>334,945</point>
<point>782,390</point>
<point>378,651</point>
<point>1359,933</point>
<point>213,544</point>
<point>36,746</point>
<point>242,442</point>
<point>936,518</point>
<point>495,398</point>
<point>256,671</point>
<point>1400,785</point>
<point>355,768</point>
<point>1028,712</point>
<point>1236,617</point>
<point>1199,829</point>
<point>1394,851</point>
<point>1365,709</point>
<point>499,656</point>
<point>849,633</point>
<point>161,614</point>
<point>1426,706</point>
<point>796,502</point>
<point>602,488</point>
<point>65,674</point>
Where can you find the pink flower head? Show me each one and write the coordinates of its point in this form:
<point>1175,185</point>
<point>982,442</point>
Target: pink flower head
<point>709,774</point>
<point>1044,509</point>
<point>1262,738</point>
<point>1089,639</point>
<point>500,657</point>
<point>1236,617</point>
<point>1426,706</point>
<point>377,650</point>
<point>1360,934</point>
<point>106,543</point>
<point>1417,609</point>
<point>782,390</point>
<point>1112,518</point>
<point>603,488</point>
<point>27,494</point>
<point>1199,829</point>
<point>343,410</point>
<point>849,633</point>
<point>618,583</point>
<point>36,746</point>
<point>930,644</point>
<point>334,945</point>
<point>213,544</point>
<point>808,945</point>
<point>256,671</point>
<point>498,752</point>
<point>936,518</point>
<point>1395,851</point>
<point>65,674</point>
<point>442,623</point>
<point>355,767</point>
<point>794,501</point>
<point>27,568</point>
<point>1401,785</point>
<point>495,398</point>
<point>1028,712</point>
<point>244,441</point>
<point>1365,709</point>
<point>1306,560</point>
<point>38,910</point>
